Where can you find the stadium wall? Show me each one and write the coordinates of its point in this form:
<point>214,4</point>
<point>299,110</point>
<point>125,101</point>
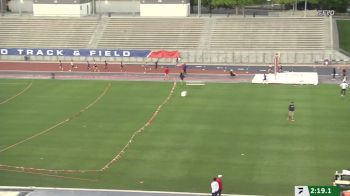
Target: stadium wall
<point>83,9</point>
<point>239,57</point>
<point>117,6</point>
<point>165,10</point>
<point>101,6</point>
<point>21,6</point>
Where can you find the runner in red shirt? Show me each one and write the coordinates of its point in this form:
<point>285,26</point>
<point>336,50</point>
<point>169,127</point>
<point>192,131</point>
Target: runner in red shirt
<point>218,179</point>
<point>166,73</point>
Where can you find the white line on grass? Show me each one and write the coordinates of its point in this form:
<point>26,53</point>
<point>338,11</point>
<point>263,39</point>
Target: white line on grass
<point>18,94</point>
<point>148,123</point>
<point>6,83</point>
<point>108,190</point>
<point>58,124</point>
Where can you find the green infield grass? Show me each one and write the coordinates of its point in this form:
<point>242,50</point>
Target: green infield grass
<point>237,130</point>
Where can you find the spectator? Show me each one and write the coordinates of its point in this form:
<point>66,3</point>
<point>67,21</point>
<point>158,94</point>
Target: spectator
<point>334,72</point>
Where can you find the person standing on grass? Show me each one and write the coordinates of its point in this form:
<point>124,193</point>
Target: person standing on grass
<point>182,76</point>
<point>219,180</point>
<point>343,87</point>
<point>291,110</point>
<point>166,73</point>
<point>214,187</point>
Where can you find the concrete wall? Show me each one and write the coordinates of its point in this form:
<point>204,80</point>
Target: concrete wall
<point>61,9</point>
<point>119,6</point>
<point>102,6</point>
<point>165,10</point>
<point>18,6</point>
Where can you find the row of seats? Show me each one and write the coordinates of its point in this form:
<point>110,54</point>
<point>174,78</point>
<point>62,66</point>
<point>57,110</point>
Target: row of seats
<point>166,33</point>
<point>152,33</point>
<point>46,32</point>
<point>270,33</point>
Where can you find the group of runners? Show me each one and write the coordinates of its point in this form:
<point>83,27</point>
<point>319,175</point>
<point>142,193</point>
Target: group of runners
<point>90,66</point>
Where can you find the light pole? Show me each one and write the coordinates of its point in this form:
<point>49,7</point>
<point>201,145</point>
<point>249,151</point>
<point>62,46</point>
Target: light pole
<point>295,6</point>
<point>268,7</point>
<point>1,9</point>
<point>199,7</point>
<point>106,3</point>
<point>93,7</point>
<point>99,7</point>
<point>20,7</point>
<point>305,8</point>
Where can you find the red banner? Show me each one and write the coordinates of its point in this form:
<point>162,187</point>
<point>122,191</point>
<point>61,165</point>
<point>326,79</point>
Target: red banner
<point>164,54</point>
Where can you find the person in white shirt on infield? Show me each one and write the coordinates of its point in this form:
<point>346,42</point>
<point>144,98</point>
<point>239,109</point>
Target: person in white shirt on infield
<point>214,187</point>
<point>343,87</point>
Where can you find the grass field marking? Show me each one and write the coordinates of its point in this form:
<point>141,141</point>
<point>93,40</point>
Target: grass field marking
<point>50,175</point>
<point>18,94</point>
<point>148,123</point>
<point>33,136</point>
<point>49,129</point>
<point>48,171</point>
<point>23,188</point>
<point>11,83</point>
<point>60,123</point>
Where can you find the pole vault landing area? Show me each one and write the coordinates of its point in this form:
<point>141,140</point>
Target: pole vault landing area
<point>287,78</point>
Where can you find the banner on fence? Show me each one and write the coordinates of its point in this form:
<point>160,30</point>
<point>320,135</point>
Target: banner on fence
<point>74,53</point>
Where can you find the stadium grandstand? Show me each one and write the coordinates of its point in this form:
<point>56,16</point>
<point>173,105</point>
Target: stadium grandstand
<point>215,40</point>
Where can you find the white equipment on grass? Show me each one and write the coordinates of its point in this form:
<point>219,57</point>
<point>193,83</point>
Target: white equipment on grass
<point>195,83</point>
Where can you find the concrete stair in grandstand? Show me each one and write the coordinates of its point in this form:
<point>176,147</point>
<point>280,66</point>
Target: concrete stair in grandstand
<point>46,32</point>
<point>152,33</point>
<point>270,33</point>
